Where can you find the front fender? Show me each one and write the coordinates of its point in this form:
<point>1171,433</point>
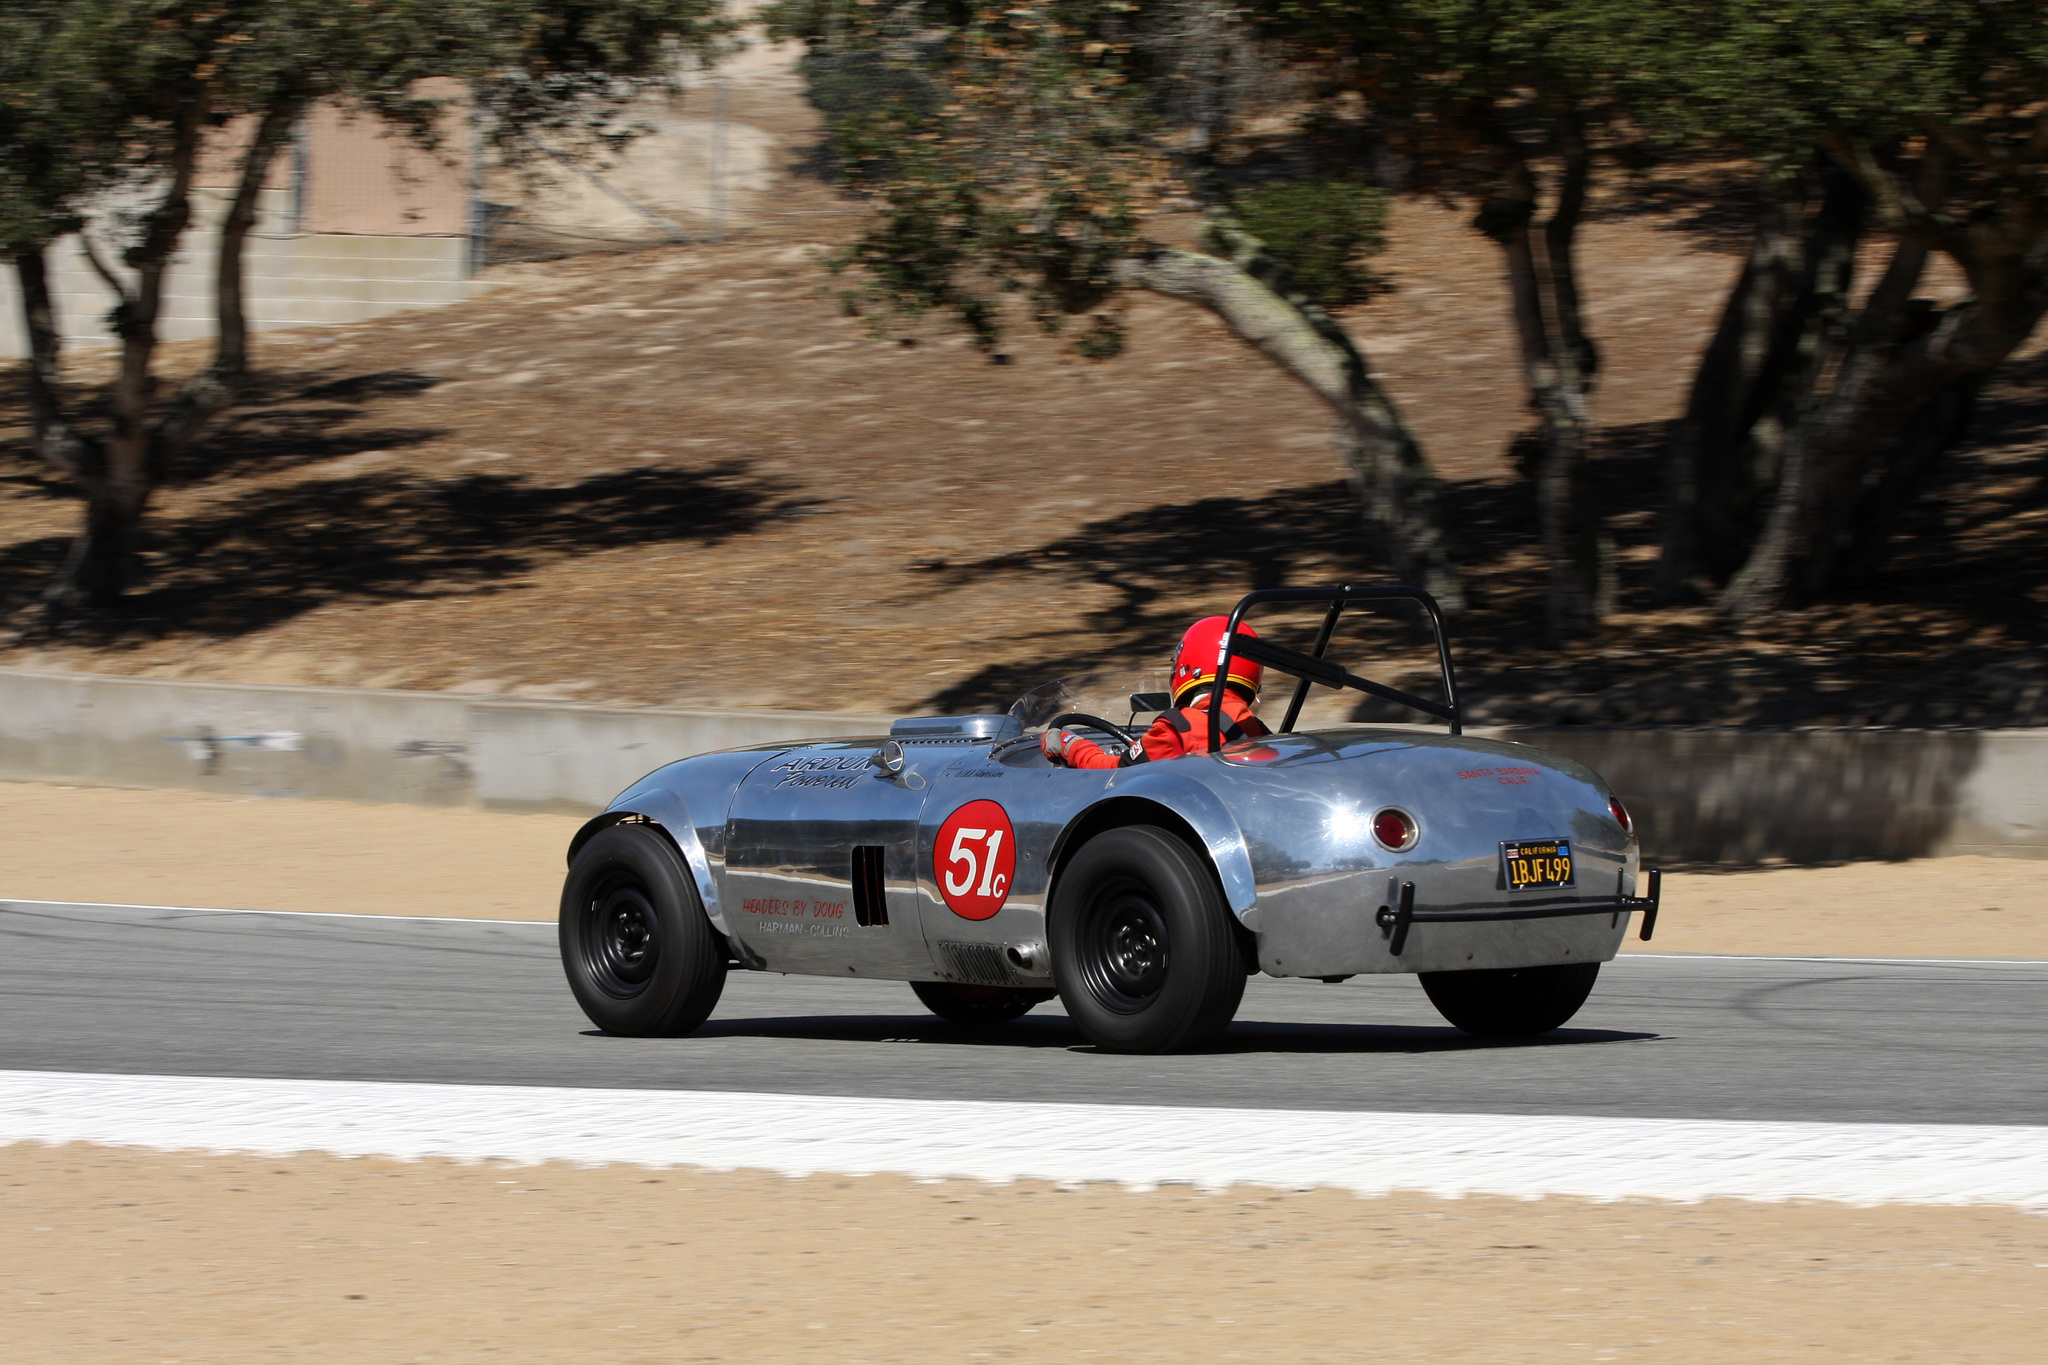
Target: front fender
<point>689,800</point>
<point>1206,814</point>
<point>666,809</point>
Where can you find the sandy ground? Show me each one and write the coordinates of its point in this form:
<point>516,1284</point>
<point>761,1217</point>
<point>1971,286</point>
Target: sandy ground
<point>112,1255</point>
<point>120,847</point>
<point>122,1256</point>
<point>188,848</point>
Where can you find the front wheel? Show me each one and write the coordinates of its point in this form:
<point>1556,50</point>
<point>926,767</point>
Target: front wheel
<point>978,1006</point>
<point>1511,1002</point>
<point>639,952</point>
<point>1143,948</point>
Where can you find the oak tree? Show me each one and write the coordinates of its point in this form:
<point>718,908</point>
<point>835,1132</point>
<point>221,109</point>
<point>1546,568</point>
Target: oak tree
<point>98,96</point>
<point>1815,418</point>
<point>1023,155</point>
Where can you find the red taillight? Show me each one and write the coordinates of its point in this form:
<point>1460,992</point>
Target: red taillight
<point>1395,829</point>
<point>1628,826</point>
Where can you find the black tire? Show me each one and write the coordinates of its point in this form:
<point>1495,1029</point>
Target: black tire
<point>640,955</point>
<point>1143,948</point>
<point>978,1006</point>
<point>1511,1002</point>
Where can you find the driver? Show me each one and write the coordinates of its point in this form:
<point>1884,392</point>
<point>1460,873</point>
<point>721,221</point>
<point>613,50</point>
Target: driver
<point>1183,730</point>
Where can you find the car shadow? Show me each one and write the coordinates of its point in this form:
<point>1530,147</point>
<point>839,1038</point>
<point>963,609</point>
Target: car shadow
<point>1246,1036</point>
<point>1260,1036</point>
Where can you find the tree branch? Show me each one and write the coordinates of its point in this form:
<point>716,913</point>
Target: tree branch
<point>1961,143</point>
<point>1560,243</point>
<point>215,388</point>
<point>1900,207</point>
<point>57,442</point>
<point>1398,486</point>
<point>122,296</point>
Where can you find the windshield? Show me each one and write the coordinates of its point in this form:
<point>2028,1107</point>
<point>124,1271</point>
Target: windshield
<point>1107,694</point>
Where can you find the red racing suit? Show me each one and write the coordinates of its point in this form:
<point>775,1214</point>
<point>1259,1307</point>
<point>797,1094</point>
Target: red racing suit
<point>1176,734</point>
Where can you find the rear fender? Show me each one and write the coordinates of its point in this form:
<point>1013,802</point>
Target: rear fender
<point>1176,803</point>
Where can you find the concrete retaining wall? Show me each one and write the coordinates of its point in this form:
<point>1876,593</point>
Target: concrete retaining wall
<point>293,278</point>
<point>428,748</point>
<point>1701,796</point>
<point>1733,796</point>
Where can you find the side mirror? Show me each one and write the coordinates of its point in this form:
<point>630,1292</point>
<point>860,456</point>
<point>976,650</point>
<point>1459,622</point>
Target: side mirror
<point>888,758</point>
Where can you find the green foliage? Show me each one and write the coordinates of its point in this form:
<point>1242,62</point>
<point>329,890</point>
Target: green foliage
<point>55,116</point>
<point>1777,76</point>
<point>849,86</point>
<point>91,91</point>
<point>1322,230</point>
<point>1458,84</point>
<point>1007,158</point>
<point>1935,105</point>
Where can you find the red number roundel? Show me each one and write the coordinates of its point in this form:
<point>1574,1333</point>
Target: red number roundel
<point>975,859</point>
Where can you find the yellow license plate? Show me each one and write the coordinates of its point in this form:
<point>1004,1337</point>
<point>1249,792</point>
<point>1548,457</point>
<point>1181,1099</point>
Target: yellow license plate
<point>1537,864</point>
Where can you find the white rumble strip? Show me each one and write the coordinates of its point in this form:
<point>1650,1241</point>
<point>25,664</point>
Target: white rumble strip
<point>1137,1146</point>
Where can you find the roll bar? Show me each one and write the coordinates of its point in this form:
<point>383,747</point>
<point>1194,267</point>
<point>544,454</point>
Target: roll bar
<point>1313,668</point>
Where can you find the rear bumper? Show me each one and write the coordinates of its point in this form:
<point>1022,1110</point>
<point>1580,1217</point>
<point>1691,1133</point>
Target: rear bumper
<point>1399,918</point>
<point>1332,934</point>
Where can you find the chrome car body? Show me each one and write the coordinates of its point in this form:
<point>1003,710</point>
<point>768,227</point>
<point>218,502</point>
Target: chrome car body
<point>930,854</point>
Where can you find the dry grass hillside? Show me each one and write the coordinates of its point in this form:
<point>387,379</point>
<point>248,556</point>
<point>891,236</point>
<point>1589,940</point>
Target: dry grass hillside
<point>682,476</point>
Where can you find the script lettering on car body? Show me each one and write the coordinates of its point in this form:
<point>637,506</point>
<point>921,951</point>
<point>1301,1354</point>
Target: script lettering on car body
<point>765,906</point>
<point>836,771</point>
<point>1507,777</point>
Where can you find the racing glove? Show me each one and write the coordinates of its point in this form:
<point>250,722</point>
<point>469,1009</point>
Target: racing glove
<point>1074,751</point>
<point>1055,743</point>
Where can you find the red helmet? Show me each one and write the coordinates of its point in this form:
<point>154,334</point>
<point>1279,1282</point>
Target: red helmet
<point>1201,649</point>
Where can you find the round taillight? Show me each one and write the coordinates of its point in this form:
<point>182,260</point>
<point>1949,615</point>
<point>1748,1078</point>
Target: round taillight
<point>1395,828</point>
<point>1628,826</point>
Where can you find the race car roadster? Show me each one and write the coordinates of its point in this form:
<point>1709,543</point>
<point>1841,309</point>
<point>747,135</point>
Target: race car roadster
<point>955,855</point>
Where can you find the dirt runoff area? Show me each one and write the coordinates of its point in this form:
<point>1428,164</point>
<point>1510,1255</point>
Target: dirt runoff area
<point>186,848</point>
<point>114,1255</point>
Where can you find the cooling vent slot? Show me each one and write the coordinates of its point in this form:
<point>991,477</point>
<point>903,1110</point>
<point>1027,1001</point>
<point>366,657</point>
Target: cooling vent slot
<point>979,963</point>
<point>870,895</point>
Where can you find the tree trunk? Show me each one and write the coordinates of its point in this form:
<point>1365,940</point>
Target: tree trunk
<point>1880,385</point>
<point>1904,386</point>
<point>1397,485</point>
<point>1701,508</point>
<point>66,449</point>
<point>1809,335</point>
<point>215,388</point>
<point>1902,471</point>
<point>101,562</point>
<point>1782,325</point>
<point>1557,361</point>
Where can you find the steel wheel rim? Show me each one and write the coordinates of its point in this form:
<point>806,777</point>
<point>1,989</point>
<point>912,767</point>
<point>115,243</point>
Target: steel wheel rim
<point>621,938</point>
<point>1124,948</point>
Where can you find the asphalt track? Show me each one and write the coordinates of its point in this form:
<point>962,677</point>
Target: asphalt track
<point>186,992</point>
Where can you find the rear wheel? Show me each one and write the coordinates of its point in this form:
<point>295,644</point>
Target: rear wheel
<point>978,1006</point>
<point>1511,1002</point>
<point>1143,947</point>
<point>640,955</point>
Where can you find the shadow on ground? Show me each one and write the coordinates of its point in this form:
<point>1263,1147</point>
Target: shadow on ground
<point>275,553</point>
<point>1950,631</point>
<point>1245,1036</point>
<point>283,421</point>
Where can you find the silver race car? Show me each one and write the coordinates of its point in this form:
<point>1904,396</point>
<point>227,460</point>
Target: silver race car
<point>955,855</point>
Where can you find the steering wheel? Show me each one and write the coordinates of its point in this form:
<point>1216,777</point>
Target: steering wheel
<point>1108,727</point>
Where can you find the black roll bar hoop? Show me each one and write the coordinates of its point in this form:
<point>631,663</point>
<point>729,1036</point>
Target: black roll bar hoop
<point>1313,668</point>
